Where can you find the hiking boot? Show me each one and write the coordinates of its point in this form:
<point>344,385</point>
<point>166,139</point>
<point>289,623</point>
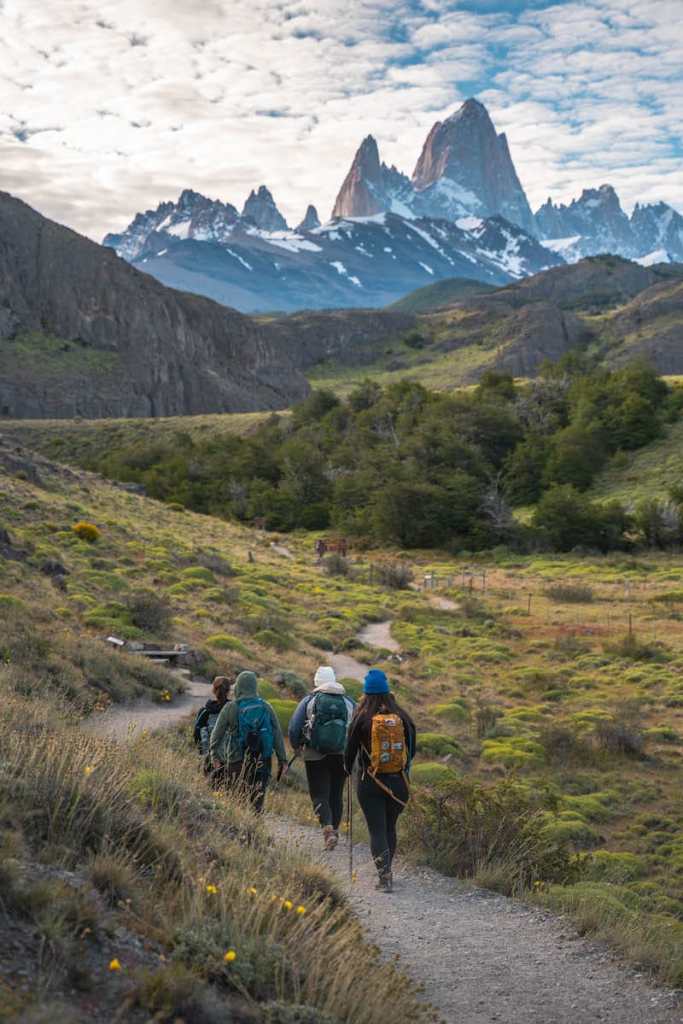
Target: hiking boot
<point>330,837</point>
<point>385,883</point>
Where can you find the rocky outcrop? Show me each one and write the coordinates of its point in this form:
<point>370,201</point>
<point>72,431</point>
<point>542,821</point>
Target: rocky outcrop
<point>261,210</point>
<point>349,337</point>
<point>83,333</point>
<point>595,223</point>
<point>543,317</point>
<point>371,187</point>
<point>465,168</point>
<point>657,231</point>
<point>310,221</point>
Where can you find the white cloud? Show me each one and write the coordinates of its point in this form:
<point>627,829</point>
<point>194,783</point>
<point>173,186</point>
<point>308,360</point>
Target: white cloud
<point>109,106</point>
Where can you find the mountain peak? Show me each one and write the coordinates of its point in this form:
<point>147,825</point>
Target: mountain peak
<point>361,191</point>
<point>471,108</point>
<point>261,210</point>
<point>310,221</point>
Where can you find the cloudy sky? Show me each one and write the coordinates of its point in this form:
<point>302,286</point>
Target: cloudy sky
<point>109,106</point>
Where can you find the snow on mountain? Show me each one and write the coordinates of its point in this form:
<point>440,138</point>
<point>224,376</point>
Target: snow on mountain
<point>595,223</point>
<point>360,261</point>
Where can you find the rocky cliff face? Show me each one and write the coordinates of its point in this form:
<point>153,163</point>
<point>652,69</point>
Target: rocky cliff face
<point>310,221</point>
<point>371,187</point>
<point>596,223</point>
<point>260,208</point>
<point>465,169</point>
<point>82,333</point>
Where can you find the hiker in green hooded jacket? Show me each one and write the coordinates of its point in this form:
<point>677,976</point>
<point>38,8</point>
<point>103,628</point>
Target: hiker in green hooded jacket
<point>244,739</point>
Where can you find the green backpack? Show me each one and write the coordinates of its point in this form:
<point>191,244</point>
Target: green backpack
<point>328,716</point>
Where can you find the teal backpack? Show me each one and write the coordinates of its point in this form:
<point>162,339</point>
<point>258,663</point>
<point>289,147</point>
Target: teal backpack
<point>328,717</point>
<point>205,733</point>
<point>254,730</point>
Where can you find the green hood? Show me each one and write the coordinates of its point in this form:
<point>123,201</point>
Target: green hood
<point>246,686</point>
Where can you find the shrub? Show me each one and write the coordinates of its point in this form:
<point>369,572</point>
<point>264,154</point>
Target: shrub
<point>429,773</point>
<point>395,575</point>
<point>149,611</point>
<point>620,736</point>
<point>86,531</point>
<point>569,593</point>
<point>336,565</point>
<point>436,744</point>
<point>464,829</point>
<point>605,866</point>
<point>225,642</point>
<point>453,712</point>
<point>633,649</point>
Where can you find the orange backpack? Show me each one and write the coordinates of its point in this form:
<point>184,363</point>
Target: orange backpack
<point>388,745</point>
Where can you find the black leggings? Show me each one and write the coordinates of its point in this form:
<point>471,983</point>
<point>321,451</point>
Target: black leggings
<point>381,813</point>
<point>326,780</point>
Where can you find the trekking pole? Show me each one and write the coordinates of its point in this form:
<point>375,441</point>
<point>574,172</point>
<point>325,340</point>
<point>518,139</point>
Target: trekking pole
<point>349,824</point>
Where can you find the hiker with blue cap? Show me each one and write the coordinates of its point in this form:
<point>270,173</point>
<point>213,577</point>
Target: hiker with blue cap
<point>382,739</point>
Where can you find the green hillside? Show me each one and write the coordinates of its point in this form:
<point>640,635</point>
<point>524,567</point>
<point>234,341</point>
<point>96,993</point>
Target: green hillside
<point>525,684</point>
<point>444,293</point>
<point>648,473</point>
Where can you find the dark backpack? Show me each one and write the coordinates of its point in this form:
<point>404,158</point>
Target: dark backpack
<point>254,730</point>
<point>205,732</point>
<point>328,717</point>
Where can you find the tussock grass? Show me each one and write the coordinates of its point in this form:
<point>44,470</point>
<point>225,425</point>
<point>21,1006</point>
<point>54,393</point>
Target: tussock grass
<point>192,869</point>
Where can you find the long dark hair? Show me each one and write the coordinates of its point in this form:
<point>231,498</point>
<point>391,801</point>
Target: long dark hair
<point>372,704</point>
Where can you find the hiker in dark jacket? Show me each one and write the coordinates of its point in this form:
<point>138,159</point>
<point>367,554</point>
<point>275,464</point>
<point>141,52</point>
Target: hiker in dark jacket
<point>319,727</point>
<point>206,720</point>
<point>246,726</point>
<point>382,738</point>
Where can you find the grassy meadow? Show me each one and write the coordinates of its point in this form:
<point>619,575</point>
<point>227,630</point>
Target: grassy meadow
<point>549,702</point>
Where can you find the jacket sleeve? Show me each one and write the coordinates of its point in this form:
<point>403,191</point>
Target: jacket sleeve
<point>200,721</point>
<point>218,732</point>
<point>297,723</point>
<point>278,739</point>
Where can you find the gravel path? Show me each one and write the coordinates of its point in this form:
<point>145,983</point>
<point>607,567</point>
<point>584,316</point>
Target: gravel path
<point>484,959</point>
<point>378,634</point>
<point>121,722</point>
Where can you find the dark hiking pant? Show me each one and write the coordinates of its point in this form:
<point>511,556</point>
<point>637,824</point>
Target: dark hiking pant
<point>252,778</point>
<point>381,813</point>
<point>326,780</point>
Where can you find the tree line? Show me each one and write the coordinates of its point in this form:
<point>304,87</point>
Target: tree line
<point>408,466</point>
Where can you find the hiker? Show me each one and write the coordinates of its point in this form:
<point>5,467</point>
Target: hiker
<point>382,737</point>
<point>319,727</point>
<point>206,720</point>
<point>244,739</point>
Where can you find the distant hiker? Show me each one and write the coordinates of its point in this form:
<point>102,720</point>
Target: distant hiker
<point>206,720</point>
<point>319,727</point>
<point>244,739</point>
<point>382,737</point>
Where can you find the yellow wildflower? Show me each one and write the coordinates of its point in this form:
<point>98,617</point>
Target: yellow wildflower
<point>287,904</point>
<point>230,956</point>
<point>114,965</point>
<point>252,891</point>
<point>89,769</point>
<point>212,889</point>
<point>300,910</point>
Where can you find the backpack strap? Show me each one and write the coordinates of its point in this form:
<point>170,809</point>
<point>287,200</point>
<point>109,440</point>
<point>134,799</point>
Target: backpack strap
<point>373,775</point>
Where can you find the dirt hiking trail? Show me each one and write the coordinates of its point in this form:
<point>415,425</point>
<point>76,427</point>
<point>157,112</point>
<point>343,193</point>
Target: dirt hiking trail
<point>481,958</point>
<point>485,959</point>
<point>122,721</point>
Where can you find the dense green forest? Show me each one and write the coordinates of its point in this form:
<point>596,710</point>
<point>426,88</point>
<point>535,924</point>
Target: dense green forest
<point>422,469</point>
